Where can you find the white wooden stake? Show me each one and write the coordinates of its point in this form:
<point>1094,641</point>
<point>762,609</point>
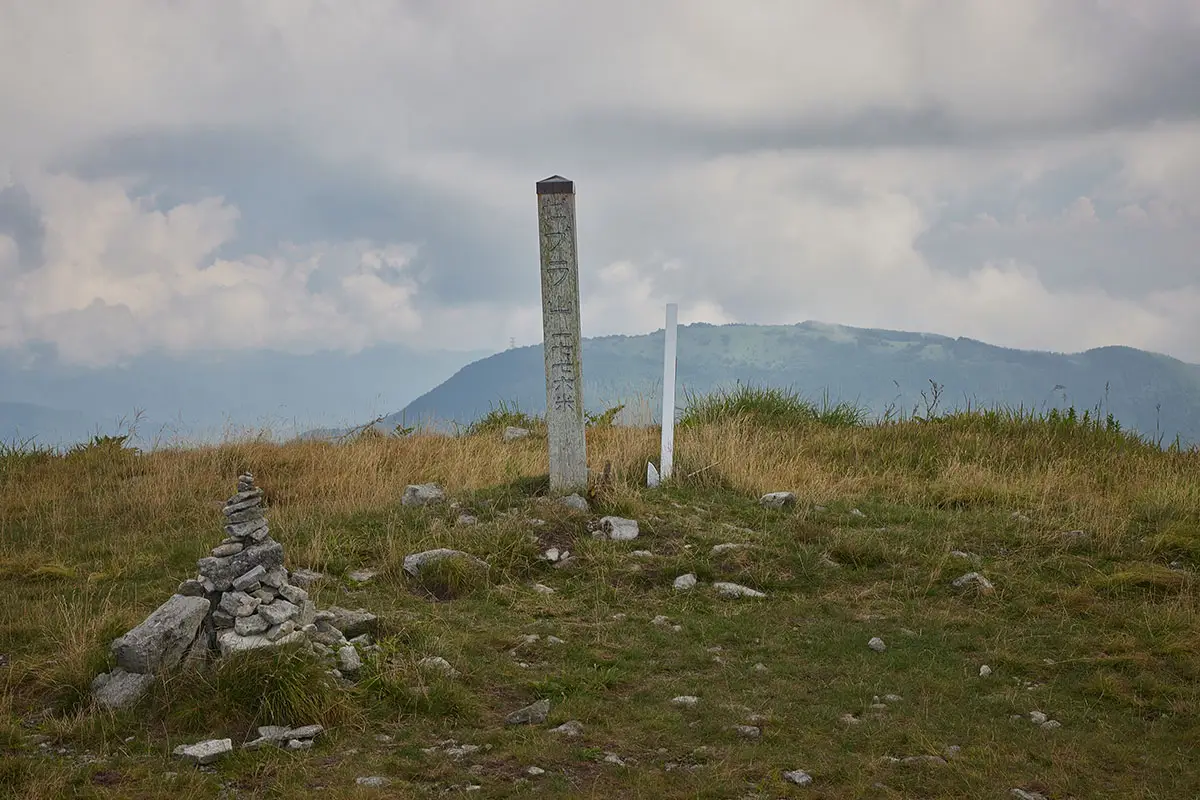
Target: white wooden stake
<point>667,458</point>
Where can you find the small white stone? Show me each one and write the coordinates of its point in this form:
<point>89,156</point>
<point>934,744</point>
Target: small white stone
<point>362,575</point>
<point>685,701</point>
<point>542,588</point>
<point>748,731</point>
<point>760,667</point>
<point>570,729</point>
<point>204,752</point>
<point>985,671</point>
<point>877,644</point>
<point>798,777</point>
<point>973,579</point>
<point>618,529</point>
<point>551,554</point>
<point>777,499</point>
<point>726,589</point>
<point>685,582</point>
<point>854,512</point>
<point>1051,724</point>
<point>535,771</point>
<point>554,640</point>
<point>372,781</point>
<point>1037,717</point>
<point>438,664</point>
<point>652,478</point>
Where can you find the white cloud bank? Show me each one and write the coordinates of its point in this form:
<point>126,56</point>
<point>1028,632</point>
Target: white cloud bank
<point>771,162</point>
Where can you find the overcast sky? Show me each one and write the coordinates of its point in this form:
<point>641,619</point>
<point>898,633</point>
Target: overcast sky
<point>302,174</point>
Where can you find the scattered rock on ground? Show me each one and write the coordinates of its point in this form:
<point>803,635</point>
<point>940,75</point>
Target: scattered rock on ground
<point>718,549</point>
<point>747,731</point>
<point>533,714</point>
<point>618,529</point>
<point>352,623</point>
<point>437,664</point>
<point>877,644</point>
<point>372,781</point>
<point>204,752</point>
<point>467,519</point>
<point>120,689</point>
<point>985,671</point>
<point>685,701</point>
<point>511,433</point>
<point>1023,794</point>
<point>542,588</point>
<point>777,499</point>
<point>726,589</point>
<point>362,575</point>
<point>685,582</point>
<point>973,579</point>
<point>570,729</point>
<point>798,777</point>
<point>415,562</point>
<point>575,501</point>
<point>854,512</point>
<point>422,494</point>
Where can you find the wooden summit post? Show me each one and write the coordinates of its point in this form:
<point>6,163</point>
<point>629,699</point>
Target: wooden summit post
<point>562,338</point>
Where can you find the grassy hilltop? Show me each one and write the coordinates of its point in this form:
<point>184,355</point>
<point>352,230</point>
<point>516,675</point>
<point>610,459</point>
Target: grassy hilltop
<point>1091,538</point>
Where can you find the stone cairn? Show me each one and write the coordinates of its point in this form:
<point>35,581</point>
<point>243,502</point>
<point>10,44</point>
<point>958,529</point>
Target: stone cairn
<point>241,600</point>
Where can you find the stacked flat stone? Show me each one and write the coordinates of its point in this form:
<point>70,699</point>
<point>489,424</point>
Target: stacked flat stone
<point>253,603</point>
<point>241,600</point>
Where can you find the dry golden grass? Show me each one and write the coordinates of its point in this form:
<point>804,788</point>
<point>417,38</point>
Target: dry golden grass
<point>1105,628</point>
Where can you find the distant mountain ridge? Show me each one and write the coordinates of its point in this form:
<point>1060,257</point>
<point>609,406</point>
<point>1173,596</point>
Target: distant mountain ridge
<point>1152,393</point>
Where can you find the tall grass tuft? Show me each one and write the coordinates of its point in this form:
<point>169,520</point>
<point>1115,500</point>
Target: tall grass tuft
<point>769,406</point>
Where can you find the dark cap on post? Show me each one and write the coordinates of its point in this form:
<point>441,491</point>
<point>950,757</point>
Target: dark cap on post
<point>555,184</point>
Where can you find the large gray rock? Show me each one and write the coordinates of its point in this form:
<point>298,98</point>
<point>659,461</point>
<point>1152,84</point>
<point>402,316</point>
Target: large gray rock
<point>120,689</point>
<point>422,495</point>
<point>223,571</point>
<point>204,752</point>
<point>414,563</point>
<point>162,639</point>
<point>353,623</point>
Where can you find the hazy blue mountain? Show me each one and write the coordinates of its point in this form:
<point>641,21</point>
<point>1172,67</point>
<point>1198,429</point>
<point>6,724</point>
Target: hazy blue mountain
<point>877,369</point>
<point>199,397</point>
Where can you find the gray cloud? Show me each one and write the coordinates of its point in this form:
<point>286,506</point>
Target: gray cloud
<point>21,220</point>
<point>1025,172</point>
